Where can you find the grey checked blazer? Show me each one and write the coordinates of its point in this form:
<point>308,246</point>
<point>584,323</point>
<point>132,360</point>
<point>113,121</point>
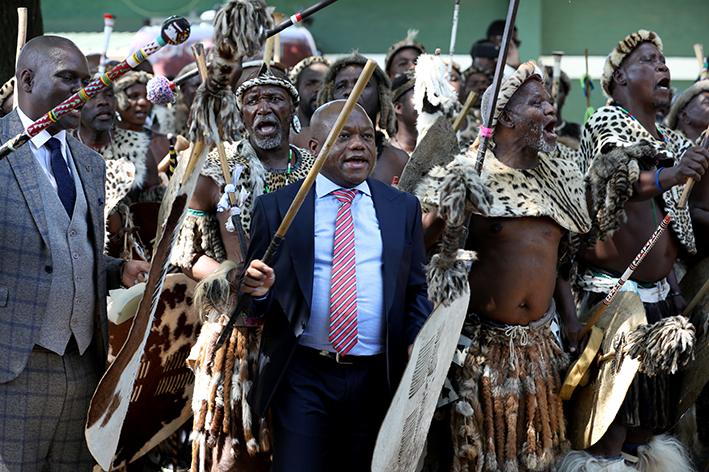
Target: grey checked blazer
<point>25,254</point>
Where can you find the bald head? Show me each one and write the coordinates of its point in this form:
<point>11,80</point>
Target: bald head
<point>50,69</point>
<point>354,152</point>
<point>41,49</point>
<point>324,118</point>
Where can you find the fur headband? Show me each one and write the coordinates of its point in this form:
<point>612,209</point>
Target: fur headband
<point>683,100</point>
<point>266,77</point>
<point>401,84</point>
<point>409,42</point>
<point>621,51</point>
<point>121,85</point>
<point>477,70</point>
<point>387,116</point>
<point>304,64</point>
<point>525,72</point>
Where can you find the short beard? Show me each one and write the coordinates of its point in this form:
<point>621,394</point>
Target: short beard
<point>658,104</point>
<point>268,143</point>
<point>275,142</point>
<point>536,142</point>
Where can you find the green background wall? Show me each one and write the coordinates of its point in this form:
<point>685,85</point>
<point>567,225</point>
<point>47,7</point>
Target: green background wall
<point>373,25</point>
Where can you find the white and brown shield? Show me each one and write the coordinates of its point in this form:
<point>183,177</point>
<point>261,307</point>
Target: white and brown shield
<point>403,434</point>
<point>110,403</point>
<point>162,394</point>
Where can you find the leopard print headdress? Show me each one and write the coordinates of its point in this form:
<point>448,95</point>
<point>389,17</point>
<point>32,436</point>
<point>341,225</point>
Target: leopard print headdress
<point>621,51</point>
<point>525,72</point>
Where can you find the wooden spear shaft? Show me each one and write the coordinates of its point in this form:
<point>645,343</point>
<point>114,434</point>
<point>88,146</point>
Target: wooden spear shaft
<point>472,96</point>
<point>304,189</point>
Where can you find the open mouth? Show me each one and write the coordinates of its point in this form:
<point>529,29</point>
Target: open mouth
<point>663,84</point>
<point>549,129</point>
<point>356,162</point>
<point>266,126</point>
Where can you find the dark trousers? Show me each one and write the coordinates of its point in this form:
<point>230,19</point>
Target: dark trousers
<point>43,412</point>
<point>326,416</point>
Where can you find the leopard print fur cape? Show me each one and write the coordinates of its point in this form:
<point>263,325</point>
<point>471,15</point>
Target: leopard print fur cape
<point>615,147</point>
<point>254,179</point>
<point>554,188</point>
<point>125,164</point>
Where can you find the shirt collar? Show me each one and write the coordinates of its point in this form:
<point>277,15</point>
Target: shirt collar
<point>43,136</point>
<point>325,186</point>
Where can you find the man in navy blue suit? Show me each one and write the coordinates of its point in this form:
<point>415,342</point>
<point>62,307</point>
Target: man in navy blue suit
<point>342,303</point>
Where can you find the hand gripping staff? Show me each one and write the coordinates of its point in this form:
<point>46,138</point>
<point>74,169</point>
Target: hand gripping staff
<point>309,180</point>
<point>175,30</point>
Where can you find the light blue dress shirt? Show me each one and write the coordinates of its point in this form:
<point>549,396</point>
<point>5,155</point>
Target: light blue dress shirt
<point>371,324</point>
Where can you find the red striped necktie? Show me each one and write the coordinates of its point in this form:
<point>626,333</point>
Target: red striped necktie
<point>343,293</point>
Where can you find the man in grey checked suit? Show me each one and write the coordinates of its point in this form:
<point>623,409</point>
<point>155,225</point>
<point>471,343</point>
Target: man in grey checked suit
<point>53,274</point>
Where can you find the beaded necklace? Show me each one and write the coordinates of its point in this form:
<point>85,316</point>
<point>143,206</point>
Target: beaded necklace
<point>290,158</point>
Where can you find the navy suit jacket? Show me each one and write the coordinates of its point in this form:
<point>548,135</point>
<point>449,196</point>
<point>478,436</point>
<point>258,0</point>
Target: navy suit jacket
<point>287,310</point>
<point>26,256</point>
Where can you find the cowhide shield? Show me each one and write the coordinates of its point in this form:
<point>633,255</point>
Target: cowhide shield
<point>110,402</point>
<point>436,148</point>
<point>162,394</point>
<point>403,433</point>
<point>696,375</point>
<point>592,408</point>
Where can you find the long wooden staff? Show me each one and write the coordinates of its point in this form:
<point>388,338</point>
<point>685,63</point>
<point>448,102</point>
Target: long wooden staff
<point>108,22</point>
<point>472,96</point>
<point>643,252</point>
<point>557,77</point>
<point>309,180</point>
<point>699,53</point>
<point>454,31</point>
<point>486,130</point>
<point>21,39</point>
<point>175,30</point>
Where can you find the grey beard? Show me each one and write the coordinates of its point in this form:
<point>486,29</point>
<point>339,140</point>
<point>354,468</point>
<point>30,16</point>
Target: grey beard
<point>538,143</point>
<point>545,146</point>
<point>268,143</point>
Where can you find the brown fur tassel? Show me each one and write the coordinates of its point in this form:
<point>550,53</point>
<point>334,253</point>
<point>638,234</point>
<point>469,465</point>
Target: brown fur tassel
<point>239,30</point>
<point>516,422</point>
<point>461,192</point>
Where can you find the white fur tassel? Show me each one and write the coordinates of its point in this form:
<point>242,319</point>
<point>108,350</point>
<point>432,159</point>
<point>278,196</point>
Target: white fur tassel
<point>212,293</point>
<point>664,453</point>
<point>582,461</point>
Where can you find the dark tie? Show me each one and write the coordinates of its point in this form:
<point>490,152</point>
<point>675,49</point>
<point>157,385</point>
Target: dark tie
<point>343,294</point>
<point>65,184</point>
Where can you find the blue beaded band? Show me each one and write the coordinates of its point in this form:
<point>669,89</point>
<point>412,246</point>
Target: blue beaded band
<point>657,180</point>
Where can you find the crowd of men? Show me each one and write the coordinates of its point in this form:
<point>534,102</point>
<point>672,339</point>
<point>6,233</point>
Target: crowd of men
<point>544,233</point>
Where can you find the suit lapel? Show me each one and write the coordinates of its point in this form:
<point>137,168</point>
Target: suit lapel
<point>300,238</point>
<point>23,165</point>
<point>391,216</point>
